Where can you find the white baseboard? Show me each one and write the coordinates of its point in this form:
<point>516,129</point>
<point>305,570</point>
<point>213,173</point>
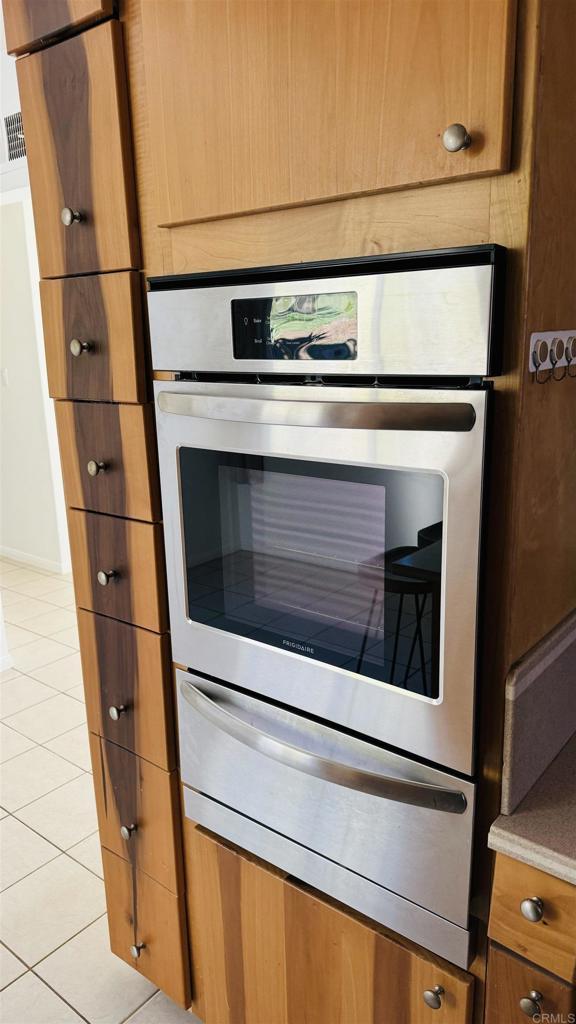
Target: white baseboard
<point>34,561</point>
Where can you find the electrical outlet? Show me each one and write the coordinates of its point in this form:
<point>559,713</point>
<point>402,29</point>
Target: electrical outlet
<point>552,349</point>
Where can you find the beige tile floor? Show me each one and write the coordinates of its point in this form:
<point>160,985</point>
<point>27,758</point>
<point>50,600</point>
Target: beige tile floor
<point>55,963</point>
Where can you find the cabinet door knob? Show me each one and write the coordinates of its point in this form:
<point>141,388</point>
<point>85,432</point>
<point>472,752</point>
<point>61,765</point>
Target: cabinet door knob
<point>115,710</point>
<point>69,217</point>
<point>93,467</point>
<point>456,138</point>
<point>531,1004</point>
<point>136,949</point>
<point>104,578</point>
<point>532,909</point>
<point>79,348</point>
<point>433,997</point>
<point>127,831</point>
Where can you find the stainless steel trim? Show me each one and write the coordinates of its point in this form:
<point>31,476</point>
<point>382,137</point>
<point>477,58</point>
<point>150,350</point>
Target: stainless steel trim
<point>427,416</point>
<point>417,794</point>
<point>435,933</point>
<point>410,323</point>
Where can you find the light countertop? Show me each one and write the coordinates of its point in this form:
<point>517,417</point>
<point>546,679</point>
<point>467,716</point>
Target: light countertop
<point>542,830</point>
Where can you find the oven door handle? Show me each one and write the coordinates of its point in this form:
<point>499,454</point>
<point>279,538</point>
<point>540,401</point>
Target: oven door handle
<point>418,794</point>
<point>432,416</point>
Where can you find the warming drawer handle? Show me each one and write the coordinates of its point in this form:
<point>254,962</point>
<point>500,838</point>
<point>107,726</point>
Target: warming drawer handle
<point>456,417</point>
<point>418,794</point>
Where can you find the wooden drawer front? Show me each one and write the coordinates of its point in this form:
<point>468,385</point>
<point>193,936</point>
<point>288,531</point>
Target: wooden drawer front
<point>132,550</point>
<point>133,794</point>
<point>509,980</point>
<point>129,669</point>
<point>75,114</point>
<point>267,950</point>
<point>118,444</point>
<point>30,23</point>
<point>550,942</point>
<point>104,311</point>
<point>143,912</point>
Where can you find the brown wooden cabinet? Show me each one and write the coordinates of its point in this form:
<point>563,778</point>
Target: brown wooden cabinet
<point>511,981</point>
<point>550,941</point>
<point>147,927</point>
<point>138,812</point>
<point>266,950</point>
<point>109,459</point>
<point>31,23</point>
<point>104,313</point>
<point>292,103</point>
<point>127,674</point>
<point>75,114</point>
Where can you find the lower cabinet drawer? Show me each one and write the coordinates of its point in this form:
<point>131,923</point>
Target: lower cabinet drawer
<point>517,991</point>
<point>534,914</point>
<point>108,455</point>
<point>118,567</point>
<point>147,926</point>
<point>138,812</point>
<point>266,950</point>
<point>128,687</point>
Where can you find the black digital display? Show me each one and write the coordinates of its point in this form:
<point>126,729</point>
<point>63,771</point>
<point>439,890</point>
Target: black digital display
<point>316,327</point>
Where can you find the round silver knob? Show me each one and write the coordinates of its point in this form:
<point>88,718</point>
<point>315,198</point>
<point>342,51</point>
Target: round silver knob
<point>116,710</point>
<point>530,1005</point>
<point>433,997</point>
<point>136,949</point>
<point>78,347</point>
<point>104,577</point>
<point>94,467</point>
<point>69,217</point>
<point>127,831</point>
<point>456,138</point>
<point>532,909</point>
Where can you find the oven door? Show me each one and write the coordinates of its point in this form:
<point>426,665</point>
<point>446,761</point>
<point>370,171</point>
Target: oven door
<point>322,550</point>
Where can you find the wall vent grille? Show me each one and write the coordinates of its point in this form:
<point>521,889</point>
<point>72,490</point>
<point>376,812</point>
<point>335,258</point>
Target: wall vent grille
<point>15,136</point>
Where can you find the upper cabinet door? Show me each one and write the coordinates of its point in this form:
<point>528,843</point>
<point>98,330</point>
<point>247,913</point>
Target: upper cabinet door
<point>259,104</point>
<point>75,114</point>
<point>30,23</point>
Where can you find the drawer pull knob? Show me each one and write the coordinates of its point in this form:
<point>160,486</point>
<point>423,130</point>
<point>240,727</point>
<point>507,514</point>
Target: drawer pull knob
<point>104,578</point>
<point>433,997</point>
<point>69,216</point>
<point>94,467</point>
<point>79,348</point>
<point>456,138</point>
<point>136,950</point>
<point>127,831</point>
<point>532,909</point>
<point>116,710</point>
<point>531,1004</point>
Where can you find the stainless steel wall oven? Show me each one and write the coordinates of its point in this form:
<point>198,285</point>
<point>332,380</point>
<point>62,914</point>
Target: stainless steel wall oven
<point>321,454</point>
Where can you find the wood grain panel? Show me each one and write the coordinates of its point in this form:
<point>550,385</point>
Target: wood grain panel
<point>551,942</point>
<point>133,793</point>
<point>122,438</point>
<point>75,114</point>
<point>126,667</point>
<point>510,980</point>
<point>265,949</point>
<point>131,549</point>
<point>104,310</point>
<point>31,23</point>
<point>320,100</point>
<point>141,910</point>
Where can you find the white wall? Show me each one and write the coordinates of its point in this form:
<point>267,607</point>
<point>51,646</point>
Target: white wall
<point>32,510</point>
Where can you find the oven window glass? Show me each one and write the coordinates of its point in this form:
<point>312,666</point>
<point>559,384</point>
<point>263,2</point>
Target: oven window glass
<point>341,564</point>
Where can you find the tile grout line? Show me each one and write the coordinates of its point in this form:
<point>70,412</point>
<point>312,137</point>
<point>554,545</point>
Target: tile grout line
<point>59,786</point>
<point>59,853</point>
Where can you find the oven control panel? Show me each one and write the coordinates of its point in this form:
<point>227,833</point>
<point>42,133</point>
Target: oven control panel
<point>322,326</point>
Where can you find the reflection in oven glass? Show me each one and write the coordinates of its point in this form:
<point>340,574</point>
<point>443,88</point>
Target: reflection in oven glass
<point>340,564</point>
